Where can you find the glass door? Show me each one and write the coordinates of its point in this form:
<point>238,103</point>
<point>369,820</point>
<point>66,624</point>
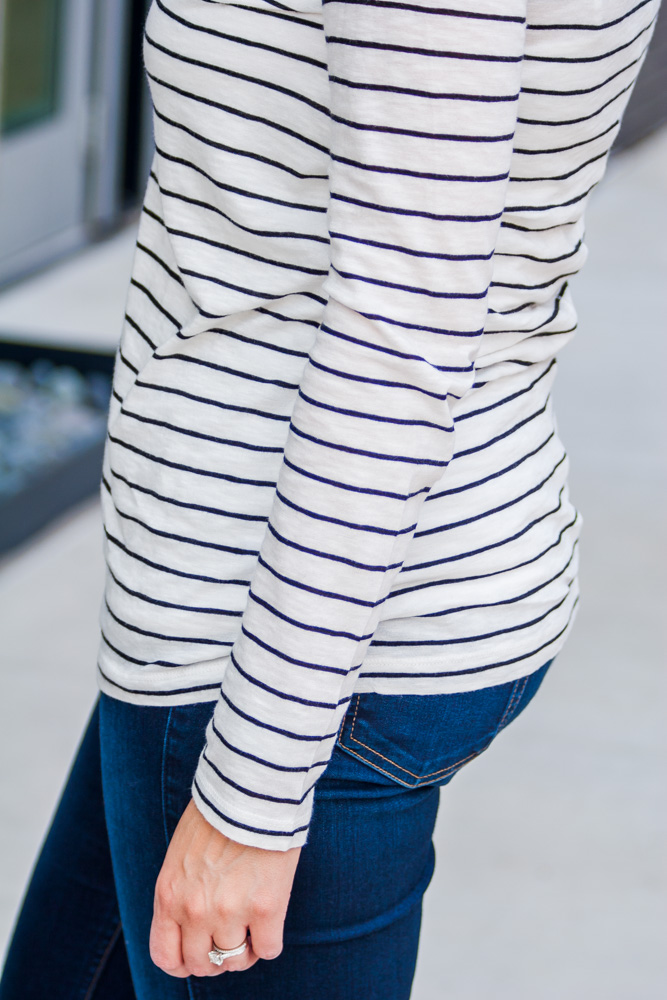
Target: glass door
<point>30,71</point>
<point>43,130</point>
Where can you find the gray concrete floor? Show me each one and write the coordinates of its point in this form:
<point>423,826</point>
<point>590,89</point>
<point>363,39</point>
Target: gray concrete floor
<point>550,880</point>
<point>77,303</point>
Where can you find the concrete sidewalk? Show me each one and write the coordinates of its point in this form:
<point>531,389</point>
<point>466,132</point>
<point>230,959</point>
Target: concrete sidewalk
<point>550,881</point>
<point>551,873</point>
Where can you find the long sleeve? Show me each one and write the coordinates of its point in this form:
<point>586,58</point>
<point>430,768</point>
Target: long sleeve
<point>423,104</point>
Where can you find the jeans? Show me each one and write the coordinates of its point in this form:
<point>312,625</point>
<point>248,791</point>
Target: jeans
<point>355,911</point>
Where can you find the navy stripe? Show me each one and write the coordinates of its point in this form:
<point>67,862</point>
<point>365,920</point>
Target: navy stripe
<point>243,253</point>
<point>436,136</point>
<point>493,545</point>
<point>161,635</point>
<point>260,760</point>
<point>565,149</point>
<point>304,626</point>
<point>489,604</point>
<point>431,255</point>
<point>241,515</point>
<point>206,400</point>
<point>244,192</point>
<point>425,94</point>
<point>185,468</point>
<point>414,50</point>
<point>203,543</point>
<point>168,569</point>
<point>282,694</point>
<point>191,689</point>
<point>154,256</point>
<point>240,40</point>
<point>414,290</point>
<point>198,434</point>
<point>482,669</point>
<point>274,234</point>
<point>170,604</point>
<point>251,794</point>
<point>359,414</point>
<point>354,563</point>
<point>280,654</point>
<point>224,147</point>
<point>473,518</point>
<point>416,213</point>
<point>589,59</point>
<point>376,381</point>
<point>348,449</point>
<point>454,581</point>
<point>237,372</point>
<point>235,74</point>
<point>246,826</point>
<point>301,737</point>
<point>588,27</point>
<point>438,11</point>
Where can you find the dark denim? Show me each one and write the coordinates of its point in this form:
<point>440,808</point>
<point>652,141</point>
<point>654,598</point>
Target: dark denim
<point>354,915</point>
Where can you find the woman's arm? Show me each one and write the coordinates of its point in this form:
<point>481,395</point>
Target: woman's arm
<point>423,110</point>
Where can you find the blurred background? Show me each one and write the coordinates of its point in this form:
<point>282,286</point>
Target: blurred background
<point>75,150</point>
<point>558,887</point>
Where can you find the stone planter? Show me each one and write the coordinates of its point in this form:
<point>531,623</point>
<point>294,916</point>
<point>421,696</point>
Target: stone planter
<point>53,412</point>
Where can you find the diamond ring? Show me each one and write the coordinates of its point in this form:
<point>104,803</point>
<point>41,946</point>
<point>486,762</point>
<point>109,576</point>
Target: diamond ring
<point>218,955</point>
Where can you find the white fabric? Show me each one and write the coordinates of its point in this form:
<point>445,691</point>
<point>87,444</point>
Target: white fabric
<point>333,464</point>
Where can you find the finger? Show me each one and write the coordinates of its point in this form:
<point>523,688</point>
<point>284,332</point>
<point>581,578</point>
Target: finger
<point>237,963</point>
<point>197,942</point>
<point>249,955</point>
<point>164,945</point>
<point>266,930</point>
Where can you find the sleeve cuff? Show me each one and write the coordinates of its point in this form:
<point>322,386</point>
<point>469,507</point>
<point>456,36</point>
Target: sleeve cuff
<point>256,829</point>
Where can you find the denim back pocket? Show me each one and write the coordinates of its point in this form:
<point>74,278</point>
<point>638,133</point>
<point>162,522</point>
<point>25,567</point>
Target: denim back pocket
<point>425,739</point>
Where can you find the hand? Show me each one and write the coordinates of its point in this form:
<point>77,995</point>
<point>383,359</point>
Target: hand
<point>212,889</point>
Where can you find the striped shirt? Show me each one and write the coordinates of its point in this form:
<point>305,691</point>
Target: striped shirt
<point>332,461</point>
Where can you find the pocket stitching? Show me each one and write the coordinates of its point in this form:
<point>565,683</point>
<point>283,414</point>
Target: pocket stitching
<point>420,777</point>
<point>376,766</point>
<point>515,698</point>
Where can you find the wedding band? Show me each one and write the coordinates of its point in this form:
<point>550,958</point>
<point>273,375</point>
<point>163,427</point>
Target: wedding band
<point>218,955</point>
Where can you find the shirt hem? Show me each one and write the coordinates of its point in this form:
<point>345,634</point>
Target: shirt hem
<point>200,682</point>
